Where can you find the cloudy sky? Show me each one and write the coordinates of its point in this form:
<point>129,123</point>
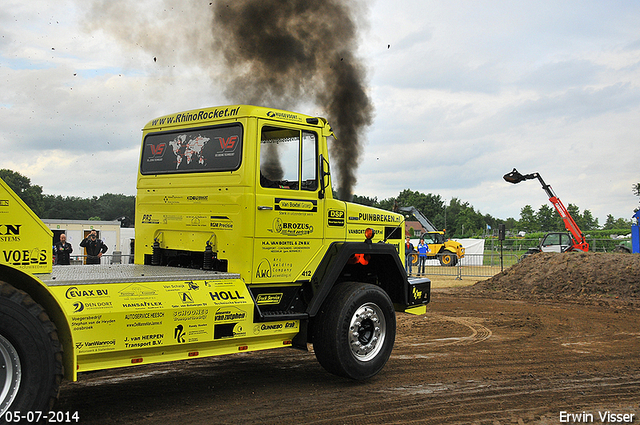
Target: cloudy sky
<point>463,91</point>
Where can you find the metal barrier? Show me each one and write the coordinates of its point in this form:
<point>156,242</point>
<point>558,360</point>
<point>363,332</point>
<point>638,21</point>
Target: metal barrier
<point>472,265</point>
<point>521,245</point>
<point>105,259</point>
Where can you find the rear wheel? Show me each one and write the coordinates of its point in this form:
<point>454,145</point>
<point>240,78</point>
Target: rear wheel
<point>10,373</point>
<point>622,249</point>
<point>30,354</point>
<point>355,330</point>
<point>448,259</point>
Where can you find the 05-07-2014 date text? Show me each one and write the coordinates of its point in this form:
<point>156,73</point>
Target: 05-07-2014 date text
<point>37,416</point>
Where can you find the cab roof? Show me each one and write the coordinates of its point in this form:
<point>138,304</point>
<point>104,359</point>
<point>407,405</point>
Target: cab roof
<point>230,112</point>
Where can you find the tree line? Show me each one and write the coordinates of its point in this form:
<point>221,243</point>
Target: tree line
<point>108,207</point>
<point>461,220</point>
<point>458,218</point>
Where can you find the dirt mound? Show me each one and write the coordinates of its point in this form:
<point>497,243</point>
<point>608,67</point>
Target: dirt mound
<point>584,277</point>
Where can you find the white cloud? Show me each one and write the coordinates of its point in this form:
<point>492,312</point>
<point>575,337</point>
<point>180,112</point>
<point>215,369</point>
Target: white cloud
<point>463,92</point>
<point>467,91</point>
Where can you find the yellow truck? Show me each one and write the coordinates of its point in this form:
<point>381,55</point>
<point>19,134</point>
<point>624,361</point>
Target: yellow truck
<point>448,252</point>
<point>240,246</point>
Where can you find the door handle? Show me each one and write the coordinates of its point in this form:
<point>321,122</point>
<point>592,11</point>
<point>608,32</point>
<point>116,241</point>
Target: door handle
<point>264,208</point>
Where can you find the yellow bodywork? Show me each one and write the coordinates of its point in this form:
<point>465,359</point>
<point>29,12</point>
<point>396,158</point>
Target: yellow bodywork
<point>27,244</point>
<point>120,324</point>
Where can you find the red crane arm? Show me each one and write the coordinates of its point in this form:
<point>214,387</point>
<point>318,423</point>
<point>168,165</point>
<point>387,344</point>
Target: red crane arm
<point>569,223</point>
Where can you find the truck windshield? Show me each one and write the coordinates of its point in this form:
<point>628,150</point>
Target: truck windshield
<point>433,238</point>
<point>202,149</point>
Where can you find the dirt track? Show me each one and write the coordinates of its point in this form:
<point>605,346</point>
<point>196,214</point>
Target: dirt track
<point>468,360</point>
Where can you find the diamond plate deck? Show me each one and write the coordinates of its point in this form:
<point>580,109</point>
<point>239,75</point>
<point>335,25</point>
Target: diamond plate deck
<point>123,273</point>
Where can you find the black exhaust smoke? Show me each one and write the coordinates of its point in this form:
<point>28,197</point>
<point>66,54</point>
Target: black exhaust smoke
<point>277,53</point>
<point>284,53</point>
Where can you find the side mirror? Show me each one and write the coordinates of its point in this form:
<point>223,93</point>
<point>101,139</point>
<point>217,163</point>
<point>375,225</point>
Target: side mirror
<point>322,173</point>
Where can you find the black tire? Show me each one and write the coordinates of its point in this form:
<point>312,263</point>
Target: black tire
<point>354,330</point>
<point>448,259</point>
<point>30,354</point>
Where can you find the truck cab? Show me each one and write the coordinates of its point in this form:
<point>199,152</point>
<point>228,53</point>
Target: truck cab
<point>552,242</point>
<point>251,183</point>
<point>556,242</point>
<point>247,190</point>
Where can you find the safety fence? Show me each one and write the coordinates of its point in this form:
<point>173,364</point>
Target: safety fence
<point>105,259</point>
<point>488,264</point>
<point>497,258</point>
<point>472,265</point>
<point>520,245</point>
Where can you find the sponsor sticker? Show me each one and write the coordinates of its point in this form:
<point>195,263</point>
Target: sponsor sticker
<point>288,228</point>
<point>296,205</point>
<point>220,222</point>
<point>142,341</point>
<point>75,292</point>
<point>24,257</point>
<point>335,218</point>
<point>264,299</point>
<point>274,327</point>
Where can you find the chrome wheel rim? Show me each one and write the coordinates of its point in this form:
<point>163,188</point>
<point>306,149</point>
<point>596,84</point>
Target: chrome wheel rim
<point>10,374</point>
<point>367,332</point>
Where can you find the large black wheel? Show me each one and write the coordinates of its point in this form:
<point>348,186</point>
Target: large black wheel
<point>30,354</point>
<point>622,249</point>
<point>448,259</point>
<point>354,330</point>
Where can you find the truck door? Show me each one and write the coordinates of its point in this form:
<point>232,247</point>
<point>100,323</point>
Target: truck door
<point>565,242</point>
<point>435,241</point>
<point>289,218</point>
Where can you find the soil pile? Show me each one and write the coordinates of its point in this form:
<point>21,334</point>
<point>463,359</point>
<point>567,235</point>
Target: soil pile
<point>583,277</point>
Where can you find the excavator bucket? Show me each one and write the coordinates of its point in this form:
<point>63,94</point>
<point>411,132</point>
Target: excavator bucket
<point>514,177</point>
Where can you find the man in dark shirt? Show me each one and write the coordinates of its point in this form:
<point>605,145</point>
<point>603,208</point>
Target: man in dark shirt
<point>94,246</point>
<point>408,250</point>
<point>62,251</point>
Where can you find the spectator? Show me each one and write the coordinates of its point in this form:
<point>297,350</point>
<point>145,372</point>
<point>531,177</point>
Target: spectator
<point>62,251</point>
<point>423,248</point>
<point>94,246</point>
<point>408,250</point>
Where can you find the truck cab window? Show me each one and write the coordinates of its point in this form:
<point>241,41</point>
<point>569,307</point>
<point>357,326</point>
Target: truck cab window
<point>309,161</point>
<point>288,159</point>
<point>552,239</point>
<point>433,238</point>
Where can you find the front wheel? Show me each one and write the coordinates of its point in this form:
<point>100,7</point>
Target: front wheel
<point>30,354</point>
<point>354,330</point>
